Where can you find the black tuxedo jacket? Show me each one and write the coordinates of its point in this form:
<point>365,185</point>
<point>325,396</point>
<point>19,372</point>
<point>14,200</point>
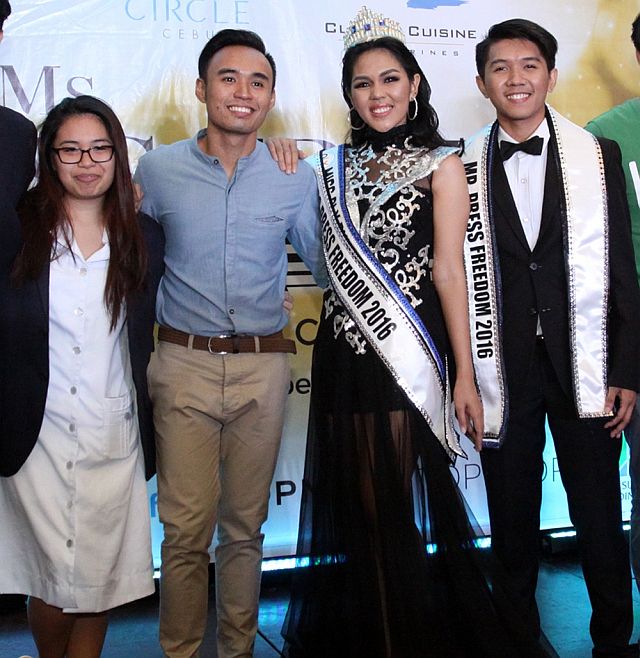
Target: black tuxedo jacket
<point>534,283</point>
<point>24,351</point>
<point>17,153</point>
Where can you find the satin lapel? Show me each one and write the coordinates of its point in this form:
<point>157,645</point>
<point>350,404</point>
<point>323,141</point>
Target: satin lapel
<point>551,210</point>
<point>503,199</point>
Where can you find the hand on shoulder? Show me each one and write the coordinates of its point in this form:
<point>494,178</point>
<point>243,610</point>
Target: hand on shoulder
<point>285,152</point>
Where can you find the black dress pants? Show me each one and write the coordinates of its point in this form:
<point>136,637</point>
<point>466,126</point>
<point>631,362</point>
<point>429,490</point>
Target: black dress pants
<point>588,464</point>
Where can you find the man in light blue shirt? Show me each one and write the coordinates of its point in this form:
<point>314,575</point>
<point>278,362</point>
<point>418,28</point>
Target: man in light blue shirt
<point>220,376</point>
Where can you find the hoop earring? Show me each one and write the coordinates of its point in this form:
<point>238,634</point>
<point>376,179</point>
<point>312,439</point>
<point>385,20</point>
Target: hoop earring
<point>415,113</point>
<point>351,124</point>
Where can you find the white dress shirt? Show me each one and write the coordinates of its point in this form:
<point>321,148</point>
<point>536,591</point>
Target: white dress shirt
<point>526,174</point>
<point>90,372</point>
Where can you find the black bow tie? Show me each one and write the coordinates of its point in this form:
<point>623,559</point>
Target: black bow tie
<point>532,146</point>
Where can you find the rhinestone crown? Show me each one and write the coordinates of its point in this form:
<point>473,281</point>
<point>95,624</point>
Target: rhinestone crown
<point>367,26</point>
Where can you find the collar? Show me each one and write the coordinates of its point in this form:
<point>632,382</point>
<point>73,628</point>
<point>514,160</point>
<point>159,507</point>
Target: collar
<point>256,154</point>
<point>541,131</point>
<point>61,247</point>
<point>396,136</point>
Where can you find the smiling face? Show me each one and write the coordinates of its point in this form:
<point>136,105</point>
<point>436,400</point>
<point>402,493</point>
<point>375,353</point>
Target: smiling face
<point>86,180</point>
<point>517,81</point>
<point>381,90</point>
<point>238,91</point>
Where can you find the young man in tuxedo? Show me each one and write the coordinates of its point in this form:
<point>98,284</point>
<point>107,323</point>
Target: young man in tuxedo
<point>565,306</point>
<point>17,144</point>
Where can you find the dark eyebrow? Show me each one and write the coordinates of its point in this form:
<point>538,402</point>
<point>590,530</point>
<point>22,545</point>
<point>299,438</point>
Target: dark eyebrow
<point>255,74</point>
<point>225,71</point>
<point>382,75</point>
<point>73,142</point>
<point>533,58</point>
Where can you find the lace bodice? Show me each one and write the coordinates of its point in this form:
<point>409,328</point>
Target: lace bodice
<point>390,202</point>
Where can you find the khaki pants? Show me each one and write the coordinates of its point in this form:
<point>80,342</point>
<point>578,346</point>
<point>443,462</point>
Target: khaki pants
<point>218,421</point>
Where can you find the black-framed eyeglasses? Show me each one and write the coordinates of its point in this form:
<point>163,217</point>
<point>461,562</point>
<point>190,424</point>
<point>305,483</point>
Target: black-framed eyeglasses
<point>73,154</point>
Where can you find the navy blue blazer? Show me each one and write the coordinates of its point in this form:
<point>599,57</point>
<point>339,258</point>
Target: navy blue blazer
<point>24,347</point>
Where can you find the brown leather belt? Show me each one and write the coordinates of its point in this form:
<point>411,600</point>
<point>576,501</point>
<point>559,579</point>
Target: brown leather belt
<point>232,344</point>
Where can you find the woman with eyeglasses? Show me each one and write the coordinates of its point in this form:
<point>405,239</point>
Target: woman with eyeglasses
<point>79,269</point>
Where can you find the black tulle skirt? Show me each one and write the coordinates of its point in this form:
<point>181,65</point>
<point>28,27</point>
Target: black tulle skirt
<point>394,570</point>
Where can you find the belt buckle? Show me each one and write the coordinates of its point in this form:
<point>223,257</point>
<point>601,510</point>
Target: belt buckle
<point>229,335</point>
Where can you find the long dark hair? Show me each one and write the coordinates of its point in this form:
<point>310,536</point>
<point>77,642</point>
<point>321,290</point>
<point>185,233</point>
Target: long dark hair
<point>424,128</point>
<point>43,215</point>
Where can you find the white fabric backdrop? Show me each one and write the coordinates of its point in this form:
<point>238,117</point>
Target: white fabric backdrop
<point>141,56</point>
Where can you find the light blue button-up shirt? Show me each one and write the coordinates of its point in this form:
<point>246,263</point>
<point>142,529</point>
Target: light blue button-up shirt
<point>225,254</point>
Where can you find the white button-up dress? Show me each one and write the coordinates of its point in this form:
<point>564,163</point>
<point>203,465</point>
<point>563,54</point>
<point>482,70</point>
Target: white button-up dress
<point>75,528</point>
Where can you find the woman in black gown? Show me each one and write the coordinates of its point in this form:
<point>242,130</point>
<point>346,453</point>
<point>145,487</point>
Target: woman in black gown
<point>393,569</point>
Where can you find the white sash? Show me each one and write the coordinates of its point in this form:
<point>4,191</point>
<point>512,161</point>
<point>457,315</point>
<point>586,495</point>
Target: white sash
<point>483,290</point>
<point>586,264</point>
<point>381,312</point>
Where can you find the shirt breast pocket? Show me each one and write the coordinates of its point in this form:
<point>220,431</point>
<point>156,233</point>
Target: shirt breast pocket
<point>270,233</point>
<point>270,220</point>
<point>119,430</point>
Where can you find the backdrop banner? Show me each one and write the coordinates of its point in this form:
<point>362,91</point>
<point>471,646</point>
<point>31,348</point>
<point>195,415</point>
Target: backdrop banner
<point>141,57</point>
